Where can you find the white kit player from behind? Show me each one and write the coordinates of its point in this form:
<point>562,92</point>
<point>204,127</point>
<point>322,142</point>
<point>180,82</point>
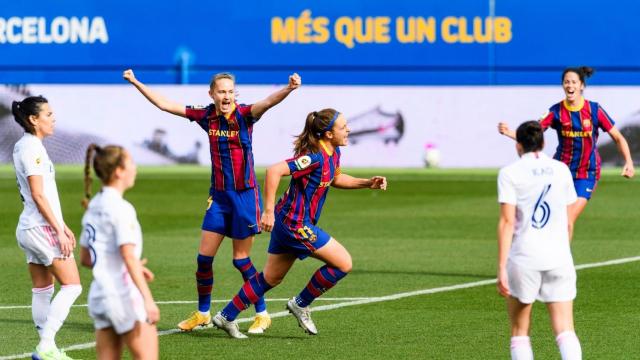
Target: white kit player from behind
<point>42,234</point>
<point>120,302</point>
<point>534,255</point>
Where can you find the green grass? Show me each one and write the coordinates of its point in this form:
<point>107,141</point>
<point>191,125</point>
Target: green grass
<point>430,229</point>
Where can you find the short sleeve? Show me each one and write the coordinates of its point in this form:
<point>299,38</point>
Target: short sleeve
<point>196,112</point>
<point>245,112</point>
<point>87,233</point>
<point>506,189</point>
<point>304,164</point>
<point>604,120</point>
<point>546,121</point>
<point>126,226</point>
<point>33,161</point>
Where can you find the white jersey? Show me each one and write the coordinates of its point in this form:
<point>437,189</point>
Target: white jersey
<point>541,189</point>
<point>110,222</point>
<point>30,158</point>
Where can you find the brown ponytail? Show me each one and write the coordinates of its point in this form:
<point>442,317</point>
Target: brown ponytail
<point>105,162</point>
<point>315,126</point>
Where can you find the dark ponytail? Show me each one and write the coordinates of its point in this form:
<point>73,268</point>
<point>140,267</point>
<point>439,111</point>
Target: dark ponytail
<point>30,106</point>
<point>583,72</point>
<point>105,161</point>
<point>315,126</point>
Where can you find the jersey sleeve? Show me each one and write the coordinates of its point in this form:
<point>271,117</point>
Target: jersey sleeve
<point>547,120</point>
<point>338,168</point>
<point>196,112</point>
<point>506,189</point>
<point>86,234</point>
<point>125,226</point>
<point>604,120</point>
<point>33,161</point>
<point>304,164</point>
<point>245,112</point>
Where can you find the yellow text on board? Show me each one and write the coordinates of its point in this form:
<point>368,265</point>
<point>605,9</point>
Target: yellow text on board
<point>353,31</point>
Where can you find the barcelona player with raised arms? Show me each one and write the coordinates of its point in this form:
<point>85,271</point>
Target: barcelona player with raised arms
<point>293,221</point>
<point>577,122</point>
<point>534,257</point>
<point>234,202</point>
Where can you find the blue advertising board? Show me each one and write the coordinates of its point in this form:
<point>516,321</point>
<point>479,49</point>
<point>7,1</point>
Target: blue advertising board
<point>405,42</point>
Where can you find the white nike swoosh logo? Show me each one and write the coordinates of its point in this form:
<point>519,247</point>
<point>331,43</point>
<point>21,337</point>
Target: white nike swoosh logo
<point>253,225</point>
<point>589,190</point>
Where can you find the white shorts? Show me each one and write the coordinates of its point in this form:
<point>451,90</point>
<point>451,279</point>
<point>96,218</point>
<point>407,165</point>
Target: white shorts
<point>119,312</point>
<point>556,285</point>
<point>40,244</point>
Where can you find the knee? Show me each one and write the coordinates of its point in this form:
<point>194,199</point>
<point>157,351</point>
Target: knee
<point>346,265</point>
<point>273,281</point>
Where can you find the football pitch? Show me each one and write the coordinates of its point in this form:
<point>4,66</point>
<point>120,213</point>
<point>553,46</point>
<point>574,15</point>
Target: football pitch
<point>422,285</point>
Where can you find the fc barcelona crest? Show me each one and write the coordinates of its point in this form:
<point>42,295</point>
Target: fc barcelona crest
<point>586,123</point>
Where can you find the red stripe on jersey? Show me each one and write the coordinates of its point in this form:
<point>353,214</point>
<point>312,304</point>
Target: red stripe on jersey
<point>216,161</point>
<point>567,142</point>
<point>236,153</point>
<point>586,147</point>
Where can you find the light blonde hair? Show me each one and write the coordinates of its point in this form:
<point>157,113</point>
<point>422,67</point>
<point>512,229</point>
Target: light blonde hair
<point>222,75</point>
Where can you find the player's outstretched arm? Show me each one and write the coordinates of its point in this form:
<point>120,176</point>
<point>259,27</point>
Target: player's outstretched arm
<point>156,99</point>
<point>260,107</point>
<point>505,234</point>
<point>623,147</point>
<point>344,181</point>
<point>272,180</point>
<point>503,129</point>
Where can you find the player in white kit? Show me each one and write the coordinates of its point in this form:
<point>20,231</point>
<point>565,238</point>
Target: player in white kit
<point>120,301</point>
<point>42,233</point>
<point>534,256</point>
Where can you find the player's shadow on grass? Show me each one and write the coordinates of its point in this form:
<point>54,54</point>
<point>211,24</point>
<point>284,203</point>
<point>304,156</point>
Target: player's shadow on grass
<point>421,273</point>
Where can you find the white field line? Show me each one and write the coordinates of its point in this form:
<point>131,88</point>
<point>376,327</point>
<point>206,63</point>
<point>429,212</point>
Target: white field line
<point>178,302</point>
<point>358,301</point>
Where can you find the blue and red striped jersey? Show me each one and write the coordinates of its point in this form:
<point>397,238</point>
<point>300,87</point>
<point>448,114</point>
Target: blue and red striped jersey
<point>230,145</point>
<point>311,176</point>
<point>577,129</point>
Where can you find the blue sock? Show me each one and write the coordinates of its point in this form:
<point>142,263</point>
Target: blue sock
<point>249,293</point>
<point>246,268</point>
<point>204,282</point>
<point>324,279</point>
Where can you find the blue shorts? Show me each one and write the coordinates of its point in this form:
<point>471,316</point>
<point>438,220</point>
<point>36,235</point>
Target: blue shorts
<point>585,187</point>
<point>235,214</point>
<point>301,242</point>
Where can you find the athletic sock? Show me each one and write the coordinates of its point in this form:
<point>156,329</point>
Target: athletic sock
<point>569,345</point>
<point>58,312</point>
<point>40,303</point>
<point>204,282</point>
<point>252,290</point>
<point>324,279</point>
<point>521,348</point>
<point>246,268</point>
